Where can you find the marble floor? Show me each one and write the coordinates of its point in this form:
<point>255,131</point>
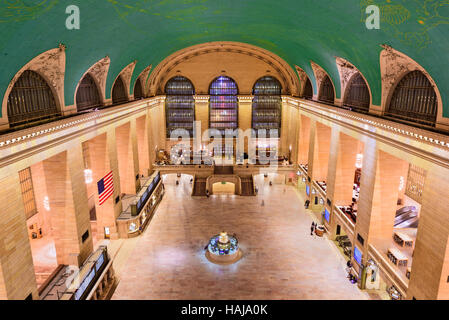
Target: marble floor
<point>281,259</point>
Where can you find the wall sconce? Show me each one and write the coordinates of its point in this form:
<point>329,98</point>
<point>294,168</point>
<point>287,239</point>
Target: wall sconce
<point>359,161</point>
<point>47,203</point>
<point>401,183</point>
<point>88,176</point>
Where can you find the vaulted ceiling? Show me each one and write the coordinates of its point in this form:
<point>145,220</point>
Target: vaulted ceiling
<point>296,30</point>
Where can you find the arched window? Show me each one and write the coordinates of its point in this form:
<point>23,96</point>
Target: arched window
<point>119,92</point>
<point>179,105</point>
<point>138,92</point>
<point>326,91</point>
<point>267,105</point>
<point>308,90</point>
<point>87,96</point>
<point>31,99</point>
<point>414,99</point>
<point>357,96</point>
<point>223,111</point>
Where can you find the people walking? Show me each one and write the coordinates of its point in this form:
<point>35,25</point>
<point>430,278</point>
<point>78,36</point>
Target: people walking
<point>312,228</point>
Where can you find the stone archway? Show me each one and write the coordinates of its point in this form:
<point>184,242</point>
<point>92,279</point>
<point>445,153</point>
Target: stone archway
<point>224,178</point>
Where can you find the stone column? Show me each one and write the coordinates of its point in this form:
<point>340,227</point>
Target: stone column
<point>64,179</point>
<point>103,158</point>
<point>158,132</point>
<point>304,139</point>
<point>245,112</point>
<point>291,133</point>
<point>143,143</point>
<point>320,152</point>
<point>202,112</point>
<point>379,189</point>
<point>430,269</point>
<point>332,176</point>
<point>17,279</point>
<point>127,156</point>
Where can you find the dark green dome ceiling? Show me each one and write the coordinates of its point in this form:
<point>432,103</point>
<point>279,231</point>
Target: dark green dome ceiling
<point>296,30</point>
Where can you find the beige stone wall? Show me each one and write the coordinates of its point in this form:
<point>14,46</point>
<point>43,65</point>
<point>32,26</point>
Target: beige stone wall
<point>17,279</point>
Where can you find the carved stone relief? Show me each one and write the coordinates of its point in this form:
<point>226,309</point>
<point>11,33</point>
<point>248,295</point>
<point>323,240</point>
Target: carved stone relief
<point>346,70</point>
<point>303,78</point>
<point>394,65</point>
<point>126,75</point>
<point>99,71</point>
<point>320,74</point>
<point>143,78</point>
<point>51,66</point>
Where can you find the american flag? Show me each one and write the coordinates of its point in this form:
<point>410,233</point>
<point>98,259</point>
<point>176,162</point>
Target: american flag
<point>105,188</point>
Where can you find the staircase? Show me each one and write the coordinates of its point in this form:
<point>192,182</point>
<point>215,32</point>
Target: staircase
<point>248,187</point>
<point>199,187</point>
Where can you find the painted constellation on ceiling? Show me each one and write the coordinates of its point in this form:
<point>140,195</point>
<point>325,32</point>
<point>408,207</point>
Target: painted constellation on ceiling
<point>21,10</point>
<point>411,21</point>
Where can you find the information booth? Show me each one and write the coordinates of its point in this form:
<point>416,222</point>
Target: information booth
<point>133,221</point>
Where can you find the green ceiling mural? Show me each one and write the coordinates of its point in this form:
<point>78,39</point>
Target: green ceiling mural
<point>296,30</point>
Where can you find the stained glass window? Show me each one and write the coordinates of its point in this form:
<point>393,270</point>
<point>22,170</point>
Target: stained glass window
<point>267,105</point>
<point>179,105</point>
<point>223,111</point>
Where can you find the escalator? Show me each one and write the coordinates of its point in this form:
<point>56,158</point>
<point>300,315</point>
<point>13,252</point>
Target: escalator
<point>406,217</point>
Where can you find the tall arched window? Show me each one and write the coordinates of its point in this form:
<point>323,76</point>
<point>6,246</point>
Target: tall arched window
<point>119,92</point>
<point>267,105</point>
<point>326,91</point>
<point>138,92</point>
<point>223,111</point>
<point>31,99</point>
<point>414,99</point>
<point>308,90</point>
<point>87,96</point>
<point>357,96</point>
<point>179,105</point>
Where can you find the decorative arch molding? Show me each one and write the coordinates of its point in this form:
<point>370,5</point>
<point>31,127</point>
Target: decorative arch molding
<point>394,66</point>
<point>50,65</point>
<point>98,72</point>
<point>320,75</point>
<point>347,71</point>
<point>164,71</point>
<point>126,75</point>
<point>303,77</point>
<point>143,77</point>
<point>236,180</point>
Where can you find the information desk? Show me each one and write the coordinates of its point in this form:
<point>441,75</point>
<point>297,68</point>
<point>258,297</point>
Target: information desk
<point>129,223</point>
<point>403,240</point>
<point>397,257</point>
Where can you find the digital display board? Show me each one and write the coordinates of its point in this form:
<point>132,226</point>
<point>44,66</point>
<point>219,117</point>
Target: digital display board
<point>327,215</point>
<point>357,255</point>
<point>146,195</point>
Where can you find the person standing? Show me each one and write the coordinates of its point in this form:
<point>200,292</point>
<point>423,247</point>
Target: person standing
<point>312,228</point>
